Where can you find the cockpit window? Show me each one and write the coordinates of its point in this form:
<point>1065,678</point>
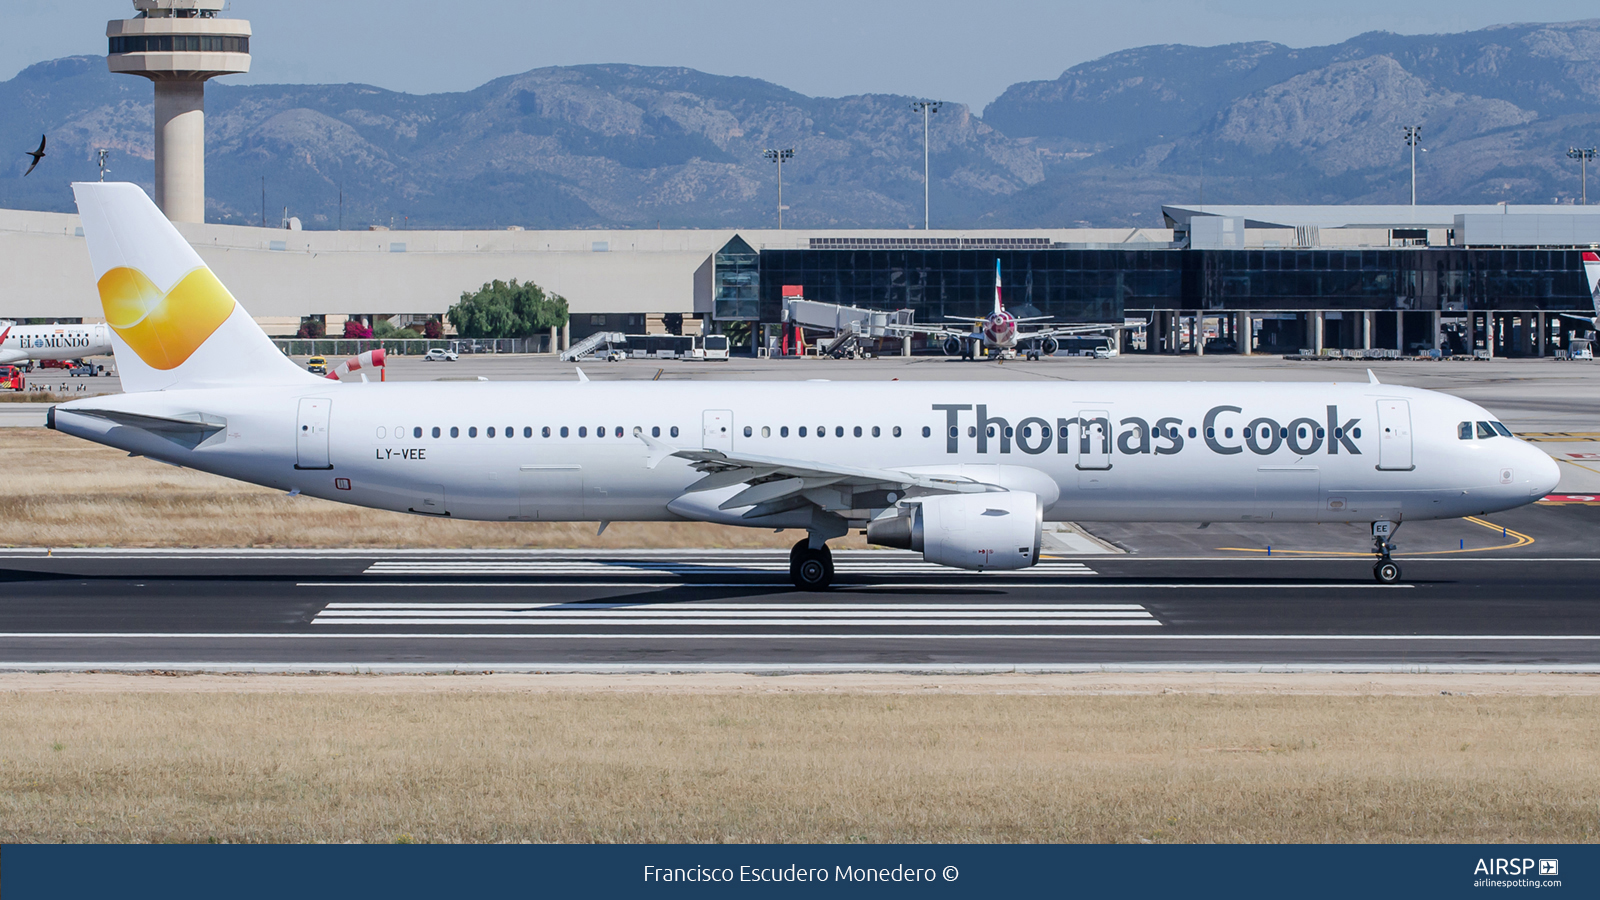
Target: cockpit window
<point>1504,431</point>
<point>1464,431</point>
<point>1485,430</point>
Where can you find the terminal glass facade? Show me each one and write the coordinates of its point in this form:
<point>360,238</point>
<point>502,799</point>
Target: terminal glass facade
<point>1069,285</point>
<point>736,281</point>
<point>1103,285</point>
<point>1421,279</point>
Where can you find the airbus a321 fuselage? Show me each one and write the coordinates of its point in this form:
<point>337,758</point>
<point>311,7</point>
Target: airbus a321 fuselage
<point>965,473</point>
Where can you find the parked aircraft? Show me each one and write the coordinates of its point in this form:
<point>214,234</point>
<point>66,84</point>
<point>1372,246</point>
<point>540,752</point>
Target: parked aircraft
<point>998,332</point>
<point>20,343</point>
<point>1591,275</point>
<point>963,472</point>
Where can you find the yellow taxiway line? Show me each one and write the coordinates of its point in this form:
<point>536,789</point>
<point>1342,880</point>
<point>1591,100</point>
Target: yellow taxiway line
<point>1521,540</point>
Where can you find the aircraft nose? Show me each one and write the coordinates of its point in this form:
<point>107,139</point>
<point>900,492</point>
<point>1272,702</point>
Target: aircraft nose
<point>1543,472</point>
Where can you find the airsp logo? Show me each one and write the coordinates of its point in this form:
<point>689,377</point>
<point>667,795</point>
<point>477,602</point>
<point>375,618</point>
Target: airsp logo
<point>1549,867</point>
<point>1513,867</point>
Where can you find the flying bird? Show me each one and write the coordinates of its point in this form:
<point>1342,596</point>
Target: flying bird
<point>37,155</point>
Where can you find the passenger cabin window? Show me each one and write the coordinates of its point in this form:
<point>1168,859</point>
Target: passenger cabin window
<point>875,431</point>
<point>766,431</point>
<point>655,431</point>
<point>455,432</point>
<point>857,431</point>
<point>897,431</point>
<point>674,431</point>
<point>583,430</point>
<point>471,432</point>
<point>416,432</point>
<point>926,431</point>
<point>802,431</point>
<point>748,431</point>
<point>784,431</point>
<point>563,431</point>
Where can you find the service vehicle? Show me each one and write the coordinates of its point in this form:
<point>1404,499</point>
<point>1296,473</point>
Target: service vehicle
<point>438,354</point>
<point>317,365</point>
<point>81,369</point>
<point>12,379</point>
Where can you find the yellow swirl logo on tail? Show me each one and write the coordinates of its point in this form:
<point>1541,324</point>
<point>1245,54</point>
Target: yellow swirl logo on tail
<point>164,328</point>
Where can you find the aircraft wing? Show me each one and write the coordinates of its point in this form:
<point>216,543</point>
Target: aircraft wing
<point>1592,320</point>
<point>936,330</point>
<point>1067,330</point>
<point>775,482</point>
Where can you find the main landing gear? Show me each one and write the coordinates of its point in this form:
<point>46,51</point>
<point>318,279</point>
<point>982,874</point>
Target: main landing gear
<point>1386,570</point>
<point>810,570</point>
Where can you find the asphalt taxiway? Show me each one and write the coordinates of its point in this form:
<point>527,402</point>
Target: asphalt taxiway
<point>1520,597</point>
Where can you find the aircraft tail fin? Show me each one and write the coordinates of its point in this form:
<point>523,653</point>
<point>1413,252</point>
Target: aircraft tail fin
<point>173,324</point>
<point>1591,272</point>
<point>998,306</point>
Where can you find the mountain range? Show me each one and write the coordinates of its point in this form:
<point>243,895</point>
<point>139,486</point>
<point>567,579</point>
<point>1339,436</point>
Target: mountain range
<point>612,146</point>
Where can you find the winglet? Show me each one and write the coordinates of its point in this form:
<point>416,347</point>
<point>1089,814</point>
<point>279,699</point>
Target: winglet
<point>581,377</point>
<point>658,450</point>
<point>1371,378</point>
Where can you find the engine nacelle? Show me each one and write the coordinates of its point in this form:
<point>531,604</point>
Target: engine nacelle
<point>998,530</point>
<point>952,346</point>
<point>1050,347</point>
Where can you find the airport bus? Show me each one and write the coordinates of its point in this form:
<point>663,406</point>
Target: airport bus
<point>1100,345</point>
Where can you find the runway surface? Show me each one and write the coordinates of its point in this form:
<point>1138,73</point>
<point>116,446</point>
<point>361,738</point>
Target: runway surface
<point>669,610</point>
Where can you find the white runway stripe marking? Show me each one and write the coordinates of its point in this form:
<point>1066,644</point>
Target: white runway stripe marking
<point>591,567</point>
<point>845,588</point>
<point>775,622</point>
<point>682,609</point>
<point>946,615</point>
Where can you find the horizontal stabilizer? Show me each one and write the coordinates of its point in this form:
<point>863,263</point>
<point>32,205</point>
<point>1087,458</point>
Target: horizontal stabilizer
<point>189,430</point>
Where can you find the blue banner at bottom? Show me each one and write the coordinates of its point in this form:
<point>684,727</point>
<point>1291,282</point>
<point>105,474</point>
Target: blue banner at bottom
<point>313,872</point>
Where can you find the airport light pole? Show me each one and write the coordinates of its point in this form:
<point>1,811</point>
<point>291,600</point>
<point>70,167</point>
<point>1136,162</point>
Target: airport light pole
<point>927,108</point>
<point>1413,138</point>
<point>1583,155</point>
<point>779,156</point>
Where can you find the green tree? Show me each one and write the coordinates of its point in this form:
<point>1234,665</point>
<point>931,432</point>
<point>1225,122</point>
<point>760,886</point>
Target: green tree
<point>507,310</point>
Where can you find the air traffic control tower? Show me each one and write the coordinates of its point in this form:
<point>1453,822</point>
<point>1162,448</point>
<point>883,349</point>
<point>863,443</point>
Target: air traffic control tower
<point>178,44</point>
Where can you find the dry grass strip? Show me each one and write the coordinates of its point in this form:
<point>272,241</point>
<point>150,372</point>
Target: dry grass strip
<point>755,764</point>
<point>65,492</point>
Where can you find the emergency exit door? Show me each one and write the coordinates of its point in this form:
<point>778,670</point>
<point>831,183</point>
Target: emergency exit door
<point>311,435</point>
<point>718,430</point>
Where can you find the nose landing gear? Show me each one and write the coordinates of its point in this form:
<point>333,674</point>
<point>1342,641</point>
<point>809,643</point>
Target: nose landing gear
<point>1385,570</point>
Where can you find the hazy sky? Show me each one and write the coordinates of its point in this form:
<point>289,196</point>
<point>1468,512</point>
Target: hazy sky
<point>948,49</point>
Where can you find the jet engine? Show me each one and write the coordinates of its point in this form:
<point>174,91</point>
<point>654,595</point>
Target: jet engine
<point>1050,347</point>
<point>952,346</point>
<point>999,530</point>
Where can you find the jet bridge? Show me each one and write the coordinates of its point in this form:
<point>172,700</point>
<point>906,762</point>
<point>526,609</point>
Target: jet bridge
<point>851,326</point>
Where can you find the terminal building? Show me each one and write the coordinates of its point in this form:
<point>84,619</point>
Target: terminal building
<point>1456,279</point>
<point>1278,279</point>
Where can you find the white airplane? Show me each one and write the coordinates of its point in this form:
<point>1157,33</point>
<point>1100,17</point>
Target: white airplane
<point>998,333</point>
<point>963,472</point>
<point>19,343</point>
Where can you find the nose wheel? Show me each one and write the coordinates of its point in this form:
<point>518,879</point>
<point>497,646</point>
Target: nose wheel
<point>1385,570</point>
<point>810,570</point>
